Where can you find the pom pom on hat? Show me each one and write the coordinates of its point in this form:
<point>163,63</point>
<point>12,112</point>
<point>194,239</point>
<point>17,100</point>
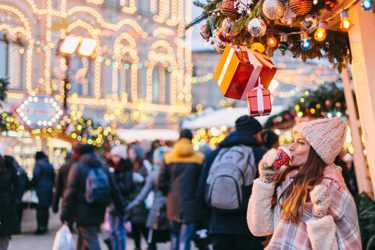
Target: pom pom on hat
<point>326,136</point>
<point>121,151</point>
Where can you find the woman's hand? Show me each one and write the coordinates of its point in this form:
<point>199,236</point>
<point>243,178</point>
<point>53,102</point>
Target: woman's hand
<point>266,172</point>
<point>320,199</point>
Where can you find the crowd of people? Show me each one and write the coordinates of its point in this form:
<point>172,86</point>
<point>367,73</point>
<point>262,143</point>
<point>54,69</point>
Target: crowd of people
<point>230,197</point>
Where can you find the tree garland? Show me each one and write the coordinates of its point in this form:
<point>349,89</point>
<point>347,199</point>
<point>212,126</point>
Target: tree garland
<point>289,32</point>
<point>326,101</point>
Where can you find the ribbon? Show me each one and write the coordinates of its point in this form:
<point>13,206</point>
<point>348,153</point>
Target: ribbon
<point>260,98</point>
<point>225,67</point>
<point>254,75</point>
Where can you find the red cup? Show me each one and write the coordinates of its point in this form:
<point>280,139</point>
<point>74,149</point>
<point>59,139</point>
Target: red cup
<point>283,157</point>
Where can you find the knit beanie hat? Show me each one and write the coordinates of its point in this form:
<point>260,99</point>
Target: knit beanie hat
<point>248,123</point>
<point>85,149</point>
<point>326,136</point>
<point>121,151</point>
<point>186,133</point>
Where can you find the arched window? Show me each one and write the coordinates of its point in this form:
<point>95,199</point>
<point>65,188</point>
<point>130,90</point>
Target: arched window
<point>156,85</point>
<point>13,62</point>
<point>124,78</point>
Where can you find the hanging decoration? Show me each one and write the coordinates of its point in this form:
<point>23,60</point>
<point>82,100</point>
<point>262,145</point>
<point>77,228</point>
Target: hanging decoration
<point>286,21</point>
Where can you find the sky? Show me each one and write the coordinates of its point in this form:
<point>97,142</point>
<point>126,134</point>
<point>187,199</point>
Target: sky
<point>198,43</point>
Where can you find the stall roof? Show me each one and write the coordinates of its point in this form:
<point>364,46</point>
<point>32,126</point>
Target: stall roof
<point>132,135</point>
<point>224,117</point>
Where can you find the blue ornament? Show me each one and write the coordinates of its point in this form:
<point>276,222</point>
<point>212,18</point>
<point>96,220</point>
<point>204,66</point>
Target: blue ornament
<point>367,4</point>
<point>306,44</point>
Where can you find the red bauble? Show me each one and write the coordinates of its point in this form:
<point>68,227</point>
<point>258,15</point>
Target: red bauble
<point>224,38</point>
<point>300,7</point>
<point>330,5</point>
<point>228,9</point>
<point>205,32</point>
<point>327,103</point>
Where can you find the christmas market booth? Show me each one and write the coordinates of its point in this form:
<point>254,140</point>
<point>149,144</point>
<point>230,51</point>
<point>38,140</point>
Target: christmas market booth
<point>249,32</point>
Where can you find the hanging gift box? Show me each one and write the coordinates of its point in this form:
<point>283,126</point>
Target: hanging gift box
<point>259,101</point>
<point>238,71</point>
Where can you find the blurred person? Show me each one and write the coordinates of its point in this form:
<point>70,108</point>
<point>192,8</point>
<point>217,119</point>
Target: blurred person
<point>138,215</point>
<point>62,176</point>
<point>90,188</point>
<point>205,149</point>
<point>43,182</point>
<point>270,139</point>
<point>345,161</point>
<point>240,150</point>
<point>10,196</point>
<point>157,223</point>
<point>123,175</point>
<point>306,204</point>
<point>23,184</point>
<point>178,180</point>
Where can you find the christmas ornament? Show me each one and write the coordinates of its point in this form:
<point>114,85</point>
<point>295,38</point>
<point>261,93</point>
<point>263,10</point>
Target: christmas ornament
<point>218,44</point>
<point>242,6</point>
<point>327,103</point>
<point>288,16</point>
<point>224,37</point>
<point>205,32</point>
<point>257,27</point>
<point>300,7</point>
<point>330,5</point>
<point>283,46</point>
<point>273,9</point>
<point>310,23</point>
<point>367,4</point>
<point>228,9</point>
<point>230,28</point>
<point>258,47</point>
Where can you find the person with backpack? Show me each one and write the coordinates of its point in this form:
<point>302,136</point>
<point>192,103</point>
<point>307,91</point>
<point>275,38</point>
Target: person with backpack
<point>90,189</point>
<point>42,182</point>
<point>225,185</point>
<point>178,179</point>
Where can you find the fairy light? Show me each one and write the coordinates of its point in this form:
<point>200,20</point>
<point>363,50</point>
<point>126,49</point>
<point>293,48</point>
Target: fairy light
<point>345,24</point>
<point>271,41</point>
<point>320,33</point>
<point>131,8</point>
<point>306,43</point>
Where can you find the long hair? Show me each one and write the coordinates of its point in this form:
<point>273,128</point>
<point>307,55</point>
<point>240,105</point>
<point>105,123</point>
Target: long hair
<point>297,193</point>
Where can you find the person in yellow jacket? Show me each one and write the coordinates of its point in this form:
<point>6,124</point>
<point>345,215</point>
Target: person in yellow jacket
<point>178,180</point>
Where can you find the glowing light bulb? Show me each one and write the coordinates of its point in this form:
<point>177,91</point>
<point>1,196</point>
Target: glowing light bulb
<point>306,43</point>
<point>345,24</point>
<point>271,42</point>
<point>367,4</point>
<point>283,46</point>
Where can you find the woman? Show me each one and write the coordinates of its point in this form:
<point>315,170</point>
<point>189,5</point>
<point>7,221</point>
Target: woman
<point>122,171</point>
<point>306,205</point>
<point>157,224</point>
<point>138,214</point>
<point>10,196</point>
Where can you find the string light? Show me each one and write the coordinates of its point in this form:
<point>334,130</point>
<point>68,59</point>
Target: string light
<point>283,46</point>
<point>320,33</point>
<point>271,41</point>
<point>306,43</point>
<point>345,24</point>
<point>367,4</point>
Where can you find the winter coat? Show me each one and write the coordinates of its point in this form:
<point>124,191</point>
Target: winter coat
<point>43,181</point>
<point>178,180</point>
<point>337,230</point>
<point>74,206</point>
<point>159,200</point>
<point>222,222</point>
<point>123,176</point>
<point>139,213</point>
<point>10,196</point>
<point>60,183</point>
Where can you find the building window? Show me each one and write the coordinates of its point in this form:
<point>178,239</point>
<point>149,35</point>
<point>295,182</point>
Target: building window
<point>124,79</point>
<point>13,62</point>
<point>155,85</point>
<point>112,4</point>
<point>168,76</point>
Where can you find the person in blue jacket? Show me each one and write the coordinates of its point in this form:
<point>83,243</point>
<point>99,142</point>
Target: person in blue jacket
<point>42,182</point>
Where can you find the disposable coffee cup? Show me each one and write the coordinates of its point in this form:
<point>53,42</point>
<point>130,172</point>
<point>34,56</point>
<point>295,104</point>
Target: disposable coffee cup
<point>283,157</point>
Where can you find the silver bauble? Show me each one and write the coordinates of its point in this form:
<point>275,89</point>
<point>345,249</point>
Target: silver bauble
<point>257,27</point>
<point>288,16</point>
<point>273,9</point>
